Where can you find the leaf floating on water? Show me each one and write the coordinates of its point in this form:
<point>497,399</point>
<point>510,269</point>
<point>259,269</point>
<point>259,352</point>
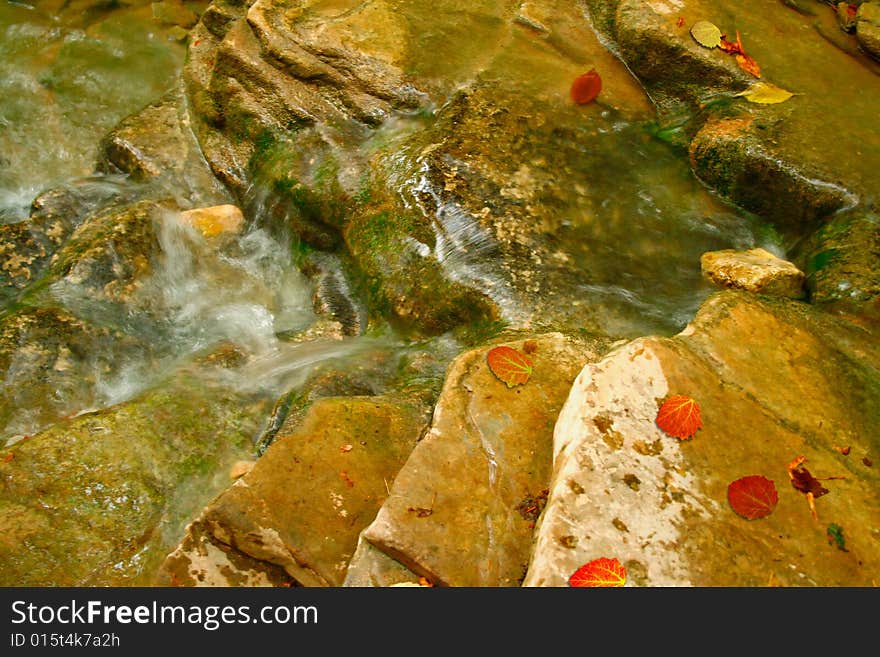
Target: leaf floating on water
<point>753,496</point>
<point>749,65</point>
<point>603,572</point>
<point>679,416</point>
<point>706,34</point>
<point>765,93</point>
<point>509,365</point>
<point>586,87</point>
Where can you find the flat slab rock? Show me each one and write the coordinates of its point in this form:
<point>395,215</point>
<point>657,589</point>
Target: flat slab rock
<point>461,511</point>
<point>304,503</point>
<point>624,489</point>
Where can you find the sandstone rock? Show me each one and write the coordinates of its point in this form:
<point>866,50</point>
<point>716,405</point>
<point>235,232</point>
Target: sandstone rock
<point>306,500</point>
<point>370,567</point>
<point>461,511</point>
<point>215,220</point>
<point>755,270</point>
<point>761,371</point>
<point>201,560</point>
<point>157,144</point>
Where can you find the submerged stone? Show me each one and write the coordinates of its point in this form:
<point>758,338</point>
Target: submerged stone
<point>98,500</point>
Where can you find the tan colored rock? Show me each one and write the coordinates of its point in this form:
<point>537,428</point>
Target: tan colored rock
<point>755,270</point>
<point>370,567</point>
<point>304,503</point>
<point>215,220</point>
<point>202,560</point>
<point>461,512</point>
<point>761,370</point>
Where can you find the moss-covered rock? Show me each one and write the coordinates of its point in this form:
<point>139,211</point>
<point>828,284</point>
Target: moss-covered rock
<point>101,498</point>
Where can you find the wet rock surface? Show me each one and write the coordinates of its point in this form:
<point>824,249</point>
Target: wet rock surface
<point>344,135</point>
<point>93,501</point>
<point>622,487</point>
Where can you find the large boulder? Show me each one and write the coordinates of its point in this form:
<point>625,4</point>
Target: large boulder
<point>774,380</point>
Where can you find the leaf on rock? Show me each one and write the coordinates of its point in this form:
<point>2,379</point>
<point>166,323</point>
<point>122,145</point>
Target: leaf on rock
<point>765,93</point>
<point>753,496</point>
<point>706,34</point>
<point>679,416</point>
<point>586,87</point>
<point>599,572</point>
<point>748,64</point>
<point>511,366</point>
<point>805,482</point>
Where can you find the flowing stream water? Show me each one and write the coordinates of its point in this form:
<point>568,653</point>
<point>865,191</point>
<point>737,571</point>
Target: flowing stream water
<point>64,82</point>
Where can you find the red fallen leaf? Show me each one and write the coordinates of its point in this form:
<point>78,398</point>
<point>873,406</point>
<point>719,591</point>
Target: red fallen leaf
<point>753,496</point>
<point>852,10</point>
<point>803,481</point>
<point>346,479</point>
<point>599,572</point>
<point>7,458</point>
<point>749,65</point>
<point>586,87</point>
<point>680,21</point>
<point>679,416</point>
<point>511,366</point>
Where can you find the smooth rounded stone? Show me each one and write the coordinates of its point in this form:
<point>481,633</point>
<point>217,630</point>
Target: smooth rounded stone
<point>755,270</point>
<point>760,369</point>
<point>868,28</point>
<point>215,220</point>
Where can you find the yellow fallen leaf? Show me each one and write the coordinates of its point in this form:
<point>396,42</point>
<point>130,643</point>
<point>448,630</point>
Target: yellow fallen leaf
<point>706,34</point>
<point>765,93</point>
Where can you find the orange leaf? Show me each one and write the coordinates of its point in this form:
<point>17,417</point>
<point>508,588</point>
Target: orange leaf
<point>586,87</point>
<point>599,572</point>
<point>731,48</point>
<point>511,366</point>
<point>752,497</point>
<point>7,458</point>
<point>749,65</point>
<point>679,416</point>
